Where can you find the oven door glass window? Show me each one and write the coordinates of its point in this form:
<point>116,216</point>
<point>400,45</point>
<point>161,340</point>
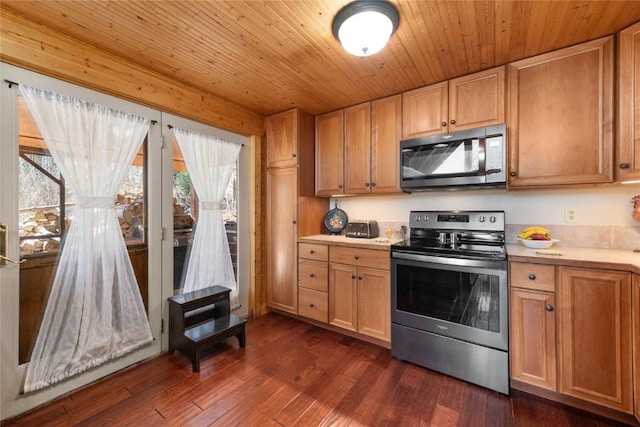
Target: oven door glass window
<point>465,298</point>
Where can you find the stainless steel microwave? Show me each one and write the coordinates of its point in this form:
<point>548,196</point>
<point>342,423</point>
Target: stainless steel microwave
<point>468,159</point>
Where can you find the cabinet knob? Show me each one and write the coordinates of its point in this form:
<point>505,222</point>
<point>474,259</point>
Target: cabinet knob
<point>293,155</point>
<point>340,186</point>
<point>453,122</point>
<point>444,124</point>
<point>373,184</point>
<point>312,275</point>
<point>356,256</point>
<point>366,184</point>
<point>532,276</point>
<point>294,221</point>
<point>549,307</point>
<point>624,165</point>
<point>353,276</point>
<point>513,174</point>
<point>360,277</point>
<point>312,251</point>
<point>311,305</point>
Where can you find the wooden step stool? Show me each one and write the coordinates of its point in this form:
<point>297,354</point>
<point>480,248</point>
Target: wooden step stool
<point>202,317</point>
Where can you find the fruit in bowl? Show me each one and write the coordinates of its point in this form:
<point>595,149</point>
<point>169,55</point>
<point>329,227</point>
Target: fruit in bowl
<point>536,237</point>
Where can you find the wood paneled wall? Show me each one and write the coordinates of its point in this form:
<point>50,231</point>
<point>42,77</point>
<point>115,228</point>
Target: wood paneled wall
<point>40,49</point>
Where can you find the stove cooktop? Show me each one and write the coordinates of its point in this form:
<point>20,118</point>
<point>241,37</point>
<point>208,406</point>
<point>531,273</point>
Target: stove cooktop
<point>458,234</point>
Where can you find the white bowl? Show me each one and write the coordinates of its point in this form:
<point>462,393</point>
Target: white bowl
<point>538,244</point>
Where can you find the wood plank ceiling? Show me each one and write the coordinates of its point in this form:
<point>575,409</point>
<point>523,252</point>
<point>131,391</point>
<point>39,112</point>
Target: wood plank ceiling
<point>269,56</point>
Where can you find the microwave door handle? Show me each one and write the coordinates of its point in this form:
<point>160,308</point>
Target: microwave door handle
<point>482,157</point>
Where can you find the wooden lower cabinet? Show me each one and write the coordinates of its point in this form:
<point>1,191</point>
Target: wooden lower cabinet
<point>374,303</point>
<point>594,331</point>
<point>360,297</point>
<point>313,281</point>
<point>343,296</point>
<point>533,338</point>
<point>636,341</point>
<point>571,334</point>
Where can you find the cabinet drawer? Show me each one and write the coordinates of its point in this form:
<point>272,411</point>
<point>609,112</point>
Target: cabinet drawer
<point>360,257</point>
<point>313,251</point>
<point>313,304</point>
<point>532,276</point>
<point>313,275</point>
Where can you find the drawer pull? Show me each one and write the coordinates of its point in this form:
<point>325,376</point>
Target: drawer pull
<point>311,305</point>
<point>356,256</point>
<point>549,307</point>
<point>312,275</point>
<point>532,276</point>
<point>312,251</point>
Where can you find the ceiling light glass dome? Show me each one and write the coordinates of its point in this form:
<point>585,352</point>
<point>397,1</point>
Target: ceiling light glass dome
<point>364,27</point>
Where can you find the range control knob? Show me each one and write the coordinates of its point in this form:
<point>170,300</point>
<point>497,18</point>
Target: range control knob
<point>492,219</point>
<point>481,219</point>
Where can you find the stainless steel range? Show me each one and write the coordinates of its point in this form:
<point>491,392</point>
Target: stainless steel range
<point>449,296</point>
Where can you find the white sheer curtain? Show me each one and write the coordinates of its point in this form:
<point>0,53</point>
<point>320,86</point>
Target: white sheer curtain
<point>210,162</point>
<point>95,312</point>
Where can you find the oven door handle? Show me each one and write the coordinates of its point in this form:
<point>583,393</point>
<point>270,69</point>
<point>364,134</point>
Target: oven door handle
<point>463,262</point>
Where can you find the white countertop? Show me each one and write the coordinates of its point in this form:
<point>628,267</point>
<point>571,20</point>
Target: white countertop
<point>596,257</point>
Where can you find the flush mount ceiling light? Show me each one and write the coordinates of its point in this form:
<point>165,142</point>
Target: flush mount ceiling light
<point>364,27</point>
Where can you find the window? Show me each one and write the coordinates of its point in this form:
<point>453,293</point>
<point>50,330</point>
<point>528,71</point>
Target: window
<point>46,203</point>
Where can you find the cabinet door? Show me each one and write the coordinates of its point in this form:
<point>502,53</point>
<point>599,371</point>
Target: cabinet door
<point>330,153</point>
<point>282,139</point>
<point>386,132</point>
<point>533,338</point>
<point>561,116</point>
<point>357,148</point>
<point>374,303</point>
<point>425,111</point>
<point>343,296</point>
<point>636,339</point>
<point>629,105</point>
<point>282,233</point>
<point>477,100</point>
<point>595,336</point>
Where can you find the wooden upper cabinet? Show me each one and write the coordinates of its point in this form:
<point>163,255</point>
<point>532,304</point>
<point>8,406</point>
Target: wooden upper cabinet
<point>477,100</point>
<point>330,153</point>
<point>467,102</point>
<point>595,336</point>
<point>561,116</point>
<point>357,148</point>
<point>425,111</point>
<point>282,141</point>
<point>628,162</point>
<point>372,132</point>
<point>386,133</point>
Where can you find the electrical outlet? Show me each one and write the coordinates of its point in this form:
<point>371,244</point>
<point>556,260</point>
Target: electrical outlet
<point>570,215</point>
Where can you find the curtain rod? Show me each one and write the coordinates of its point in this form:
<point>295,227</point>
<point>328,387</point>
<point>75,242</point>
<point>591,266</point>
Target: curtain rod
<point>241,144</point>
<point>11,84</point>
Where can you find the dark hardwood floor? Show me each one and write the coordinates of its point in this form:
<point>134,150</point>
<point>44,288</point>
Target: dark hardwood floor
<point>292,373</point>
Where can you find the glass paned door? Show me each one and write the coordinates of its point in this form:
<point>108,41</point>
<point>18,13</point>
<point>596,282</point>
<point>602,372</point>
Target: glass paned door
<point>36,209</point>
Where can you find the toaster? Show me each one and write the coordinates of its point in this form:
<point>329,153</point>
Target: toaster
<point>367,229</point>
